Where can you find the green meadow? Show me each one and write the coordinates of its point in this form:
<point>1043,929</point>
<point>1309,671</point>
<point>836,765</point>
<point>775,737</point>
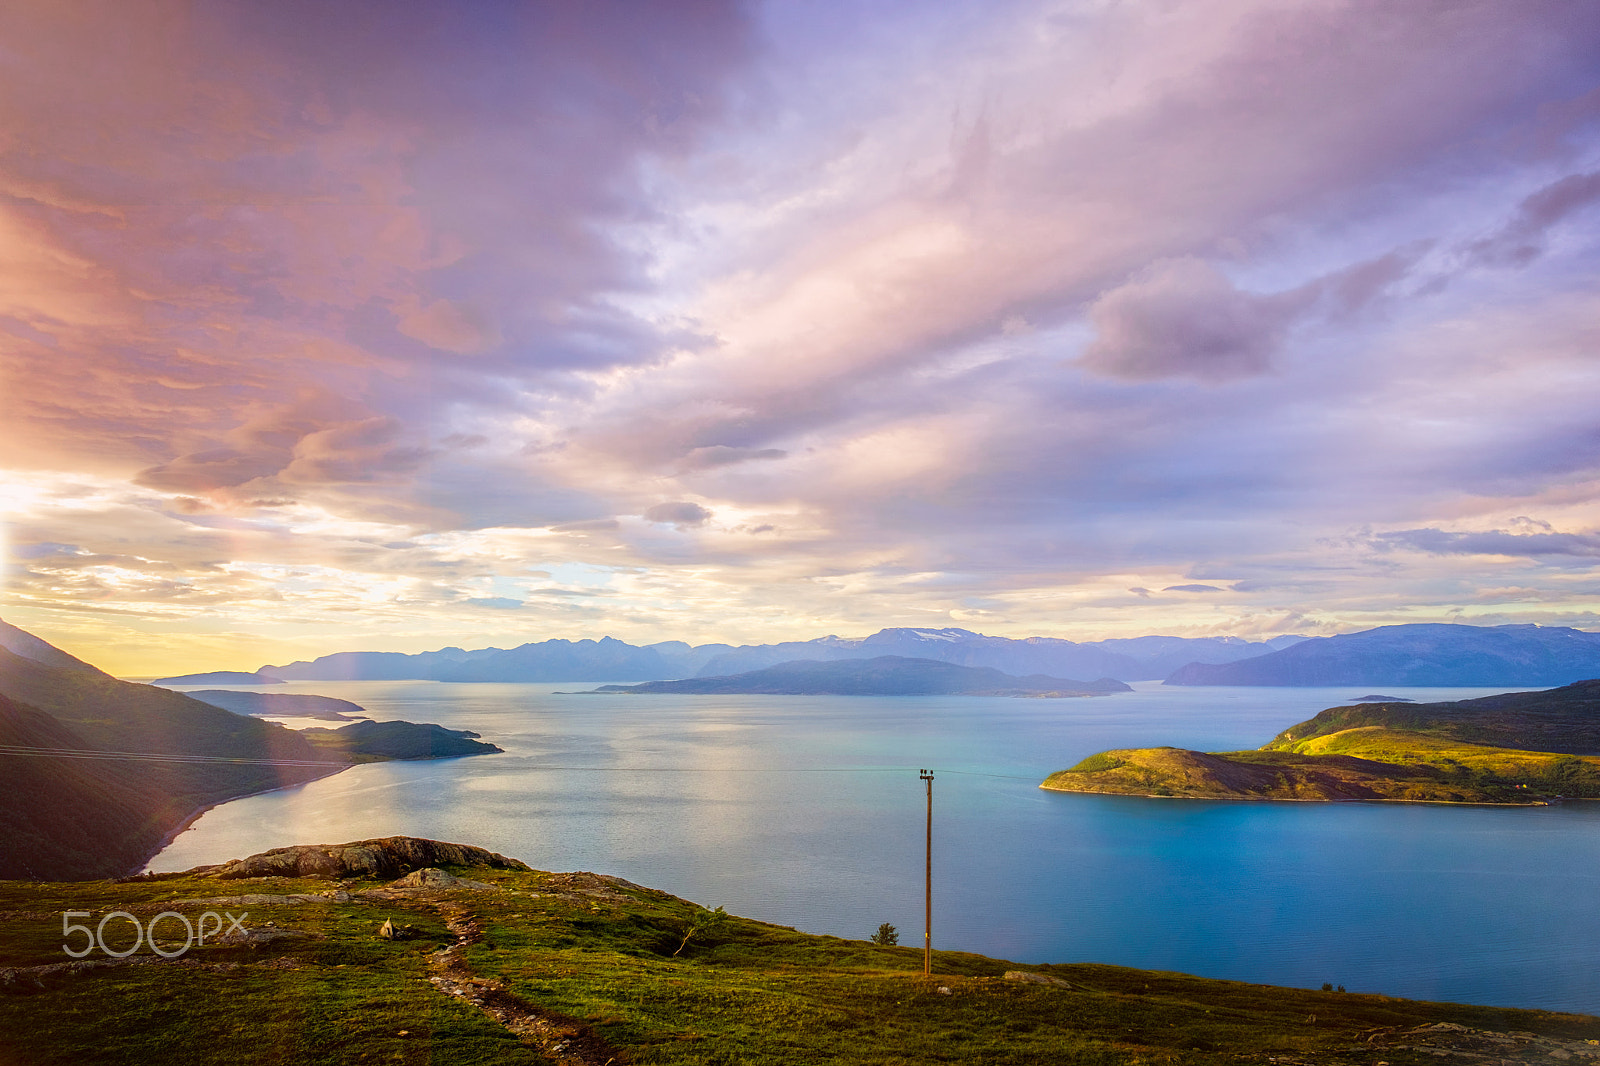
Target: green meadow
<point>588,963</point>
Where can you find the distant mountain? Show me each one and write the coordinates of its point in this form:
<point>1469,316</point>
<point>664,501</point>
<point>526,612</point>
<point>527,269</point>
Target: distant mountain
<point>376,666</point>
<point>1126,659</point>
<point>565,660</point>
<point>219,677</point>
<point>608,659</point>
<point>286,704</point>
<point>885,675</point>
<point>1422,654</point>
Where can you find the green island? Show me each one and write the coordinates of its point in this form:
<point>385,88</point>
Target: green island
<point>413,951</point>
<point>1513,748</point>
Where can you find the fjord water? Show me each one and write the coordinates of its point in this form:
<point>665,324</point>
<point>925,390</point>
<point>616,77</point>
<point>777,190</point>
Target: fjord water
<point>807,811</point>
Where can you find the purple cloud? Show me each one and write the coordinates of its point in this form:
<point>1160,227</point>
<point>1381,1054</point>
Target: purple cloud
<point>1492,542</point>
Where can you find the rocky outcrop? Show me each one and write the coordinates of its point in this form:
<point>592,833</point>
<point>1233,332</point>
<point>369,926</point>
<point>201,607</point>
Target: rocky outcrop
<point>1032,978</point>
<point>385,857</point>
<point>431,879</point>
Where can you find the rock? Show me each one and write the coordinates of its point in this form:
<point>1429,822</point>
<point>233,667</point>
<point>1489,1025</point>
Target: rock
<point>259,935</point>
<point>1035,978</point>
<point>434,878</point>
<point>389,931</point>
<point>385,857</point>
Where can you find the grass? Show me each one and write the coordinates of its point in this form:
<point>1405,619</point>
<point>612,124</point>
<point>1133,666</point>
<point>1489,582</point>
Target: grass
<point>1517,747</point>
<point>748,993</point>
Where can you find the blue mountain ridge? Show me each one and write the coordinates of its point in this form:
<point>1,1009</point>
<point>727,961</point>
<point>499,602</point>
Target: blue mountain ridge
<point>1421,654</point>
<point>1149,658</point>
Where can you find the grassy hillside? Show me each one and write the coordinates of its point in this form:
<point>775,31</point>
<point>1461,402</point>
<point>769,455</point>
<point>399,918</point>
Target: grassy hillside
<point>94,817</point>
<point>70,818</point>
<point>136,761</point>
<point>1565,720</point>
<point>1518,747</point>
<point>535,967</point>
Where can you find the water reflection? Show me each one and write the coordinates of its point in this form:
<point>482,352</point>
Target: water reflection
<point>807,812</point>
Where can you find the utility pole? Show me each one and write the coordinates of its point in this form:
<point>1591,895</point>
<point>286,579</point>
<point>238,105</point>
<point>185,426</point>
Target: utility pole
<point>927,884</point>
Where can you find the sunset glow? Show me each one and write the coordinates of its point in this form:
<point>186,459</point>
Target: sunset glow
<point>394,326</point>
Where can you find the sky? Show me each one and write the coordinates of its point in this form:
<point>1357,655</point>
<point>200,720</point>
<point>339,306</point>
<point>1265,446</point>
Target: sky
<point>386,325</point>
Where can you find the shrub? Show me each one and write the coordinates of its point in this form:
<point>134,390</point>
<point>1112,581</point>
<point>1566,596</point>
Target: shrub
<point>703,924</point>
<point>887,935</point>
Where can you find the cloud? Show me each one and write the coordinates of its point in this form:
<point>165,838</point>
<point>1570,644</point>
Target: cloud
<point>501,603</point>
<point>1492,542</point>
<point>450,327</point>
<point>956,304</point>
<point>1521,240</point>
<point>725,455</point>
<point>681,514</point>
<point>1183,317</point>
<point>1191,588</point>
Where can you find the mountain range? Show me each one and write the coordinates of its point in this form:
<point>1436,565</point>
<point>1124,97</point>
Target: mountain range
<point>1422,654</point>
<point>1419,654</point>
<point>1148,658</point>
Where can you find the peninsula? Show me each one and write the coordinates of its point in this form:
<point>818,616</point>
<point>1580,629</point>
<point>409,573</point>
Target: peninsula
<point>886,675</point>
<point>1513,748</point>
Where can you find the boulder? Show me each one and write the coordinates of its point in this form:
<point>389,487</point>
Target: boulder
<point>384,857</point>
<point>1035,978</point>
<point>432,878</point>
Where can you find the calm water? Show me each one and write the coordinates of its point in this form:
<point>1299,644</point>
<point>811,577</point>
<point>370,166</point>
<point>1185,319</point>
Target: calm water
<point>807,811</point>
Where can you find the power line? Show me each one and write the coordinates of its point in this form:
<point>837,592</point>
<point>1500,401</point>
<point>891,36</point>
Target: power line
<point>151,756</point>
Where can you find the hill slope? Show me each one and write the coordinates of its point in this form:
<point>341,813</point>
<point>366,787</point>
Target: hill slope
<point>96,773</point>
<point>1424,655</point>
<point>511,965</point>
<point>887,675</point>
<point>1518,747</point>
<point>103,815</point>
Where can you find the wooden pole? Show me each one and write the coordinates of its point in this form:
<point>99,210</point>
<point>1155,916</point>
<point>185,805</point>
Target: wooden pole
<point>927,885</point>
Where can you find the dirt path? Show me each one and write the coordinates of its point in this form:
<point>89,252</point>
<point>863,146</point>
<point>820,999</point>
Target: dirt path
<point>565,1040</point>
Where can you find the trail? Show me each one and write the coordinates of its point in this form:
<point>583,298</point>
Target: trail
<point>565,1040</point>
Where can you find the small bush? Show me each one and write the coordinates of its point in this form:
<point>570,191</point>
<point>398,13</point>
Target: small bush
<point>886,935</point>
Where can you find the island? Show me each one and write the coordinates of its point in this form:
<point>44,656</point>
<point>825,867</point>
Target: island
<point>280,704</point>
<point>1512,748</point>
<point>886,675</point>
<point>219,677</point>
<point>384,741</point>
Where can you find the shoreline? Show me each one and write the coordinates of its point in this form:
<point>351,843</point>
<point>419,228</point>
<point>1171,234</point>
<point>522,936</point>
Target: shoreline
<point>194,815</point>
<point>1291,799</point>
